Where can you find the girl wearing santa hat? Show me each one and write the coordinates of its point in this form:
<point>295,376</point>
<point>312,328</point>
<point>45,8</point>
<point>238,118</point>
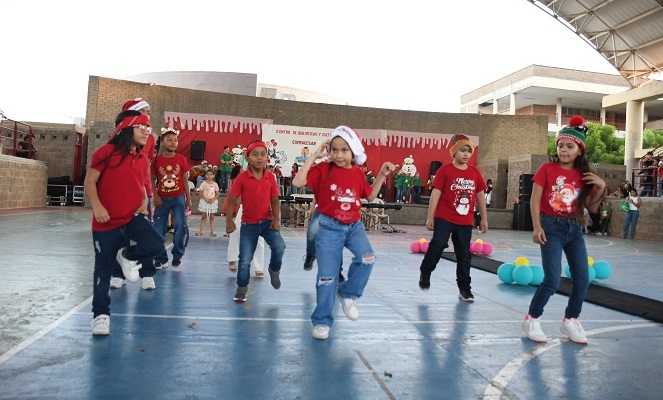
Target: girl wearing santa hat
<point>339,185</point>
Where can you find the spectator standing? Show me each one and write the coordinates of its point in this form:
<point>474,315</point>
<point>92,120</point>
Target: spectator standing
<point>632,216</point>
<point>224,169</point>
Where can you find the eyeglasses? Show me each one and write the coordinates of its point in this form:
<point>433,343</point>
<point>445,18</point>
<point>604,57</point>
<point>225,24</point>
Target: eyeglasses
<point>143,128</point>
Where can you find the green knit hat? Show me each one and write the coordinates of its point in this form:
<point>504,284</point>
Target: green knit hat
<point>576,131</point>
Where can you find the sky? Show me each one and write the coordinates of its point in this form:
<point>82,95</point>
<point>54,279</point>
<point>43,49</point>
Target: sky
<point>416,55</point>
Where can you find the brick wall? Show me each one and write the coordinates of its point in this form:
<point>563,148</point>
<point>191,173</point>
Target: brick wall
<point>23,182</point>
<point>500,135</point>
<point>55,144</point>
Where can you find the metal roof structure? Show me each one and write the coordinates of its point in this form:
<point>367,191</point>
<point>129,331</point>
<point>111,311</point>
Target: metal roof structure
<point>627,33</point>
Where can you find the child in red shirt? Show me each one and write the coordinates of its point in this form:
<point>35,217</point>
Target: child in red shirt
<point>261,217</point>
<point>115,186</point>
<point>170,172</point>
<point>147,270</point>
<point>339,185</point>
<point>457,186</point>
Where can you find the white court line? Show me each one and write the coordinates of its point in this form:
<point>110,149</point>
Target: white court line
<point>12,352</point>
<point>504,375</point>
<point>21,346</point>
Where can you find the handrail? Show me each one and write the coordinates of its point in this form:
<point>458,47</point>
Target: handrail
<point>14,149</point>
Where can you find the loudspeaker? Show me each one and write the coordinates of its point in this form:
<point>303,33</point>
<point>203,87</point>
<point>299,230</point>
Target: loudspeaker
<point>522,217</point>
<point>525,184</point>
<point>197,150</point>
<point>434,166</point>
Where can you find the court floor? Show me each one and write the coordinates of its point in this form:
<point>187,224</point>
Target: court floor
<point>188,339</point>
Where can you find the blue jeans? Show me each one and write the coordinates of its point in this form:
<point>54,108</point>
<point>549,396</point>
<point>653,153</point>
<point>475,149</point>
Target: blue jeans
<point>147,269</point>
<point>647,187</point>
<point>161,214</point>
<point>312,231</point>
<point>562,234</point>
<point>632,220</point>
<point>400,193</point>
<point>461,235</point>
<point>332,237</point>
<point>106,245</point>
<point>248,241</point>
<point>225,178</point>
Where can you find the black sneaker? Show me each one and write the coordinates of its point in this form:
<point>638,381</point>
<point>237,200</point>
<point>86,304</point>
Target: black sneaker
<point>308,261</point>
<point>466,295</point>
<point>341,278</point>
<point>424,280</point>
<point>177,262</point>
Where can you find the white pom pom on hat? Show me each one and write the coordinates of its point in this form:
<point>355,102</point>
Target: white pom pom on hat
<point>350,136</point>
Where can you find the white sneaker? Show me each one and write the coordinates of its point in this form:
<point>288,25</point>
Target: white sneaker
<point>129,268</point>
<point>532,328</point>
<point>148,283</point>
<point>101,325</point>
<point>574,331</point>
<point>116,282</point>
<point>350,308</point>
<point>321,332</point>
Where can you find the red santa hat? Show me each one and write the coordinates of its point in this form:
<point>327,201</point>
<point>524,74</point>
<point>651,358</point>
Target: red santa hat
<point>135,104</point>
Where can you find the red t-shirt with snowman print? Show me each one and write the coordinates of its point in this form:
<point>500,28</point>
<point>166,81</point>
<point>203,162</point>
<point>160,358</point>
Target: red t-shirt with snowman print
<point>459,189</point>
<point>338,191</point>
<point>561,188</point>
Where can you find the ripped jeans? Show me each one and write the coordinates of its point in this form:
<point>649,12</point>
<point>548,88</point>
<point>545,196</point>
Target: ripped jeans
<point>332,237</point>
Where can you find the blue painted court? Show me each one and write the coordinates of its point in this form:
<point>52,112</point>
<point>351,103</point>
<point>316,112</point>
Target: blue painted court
<point>188,339</point>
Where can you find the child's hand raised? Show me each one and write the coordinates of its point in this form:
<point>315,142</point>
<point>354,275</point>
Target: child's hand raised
<point>387,167</point>
<point>323,150</point>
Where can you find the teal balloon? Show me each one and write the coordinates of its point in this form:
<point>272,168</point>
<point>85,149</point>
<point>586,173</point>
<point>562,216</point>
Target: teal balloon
<point>505,272</point>
<point>567,270</point>
<point>592,274</point>
<point>522,275</point>
<point>603,269</point>
<point>537,275</point>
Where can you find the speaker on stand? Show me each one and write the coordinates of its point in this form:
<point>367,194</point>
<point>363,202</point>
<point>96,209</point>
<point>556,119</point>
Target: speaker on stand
<point>434,166</point>
<point>198,150</point>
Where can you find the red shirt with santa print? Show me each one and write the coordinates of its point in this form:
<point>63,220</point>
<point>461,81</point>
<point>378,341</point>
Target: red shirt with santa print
<point>459,189</point>
<point>561,188</point>
<point>169,172</point>
<point>338,191</point>
<point>121,185</point>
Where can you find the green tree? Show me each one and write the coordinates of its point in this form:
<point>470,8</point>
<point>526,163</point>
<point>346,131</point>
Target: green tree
<point>604,148</point>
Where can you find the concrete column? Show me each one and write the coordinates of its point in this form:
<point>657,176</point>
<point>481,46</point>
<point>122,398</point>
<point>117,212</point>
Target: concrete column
<point>512,104</point>
<point>558,111</point>
<point>496,109</point>
<point>602,116</point>
<point>633,138</point>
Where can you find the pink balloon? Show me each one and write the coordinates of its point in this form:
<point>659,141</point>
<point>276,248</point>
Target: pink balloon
<point>476,248</point>
<point>487,249</point>
<point>415,247</point>
<point>424,247</point>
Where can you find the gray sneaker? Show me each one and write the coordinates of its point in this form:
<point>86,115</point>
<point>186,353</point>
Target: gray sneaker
<point>274,278</point>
